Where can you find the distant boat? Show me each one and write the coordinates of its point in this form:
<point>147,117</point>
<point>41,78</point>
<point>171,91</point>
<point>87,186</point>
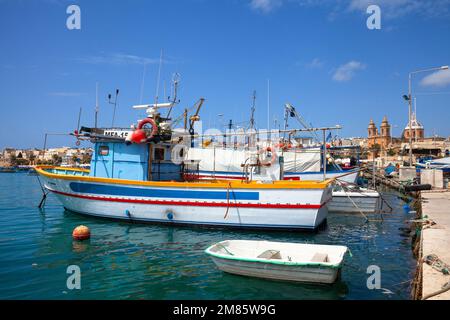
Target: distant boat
<point>442,164</point>
<point>24,169</point>
<point>279,260</point>
<point>8,170</point>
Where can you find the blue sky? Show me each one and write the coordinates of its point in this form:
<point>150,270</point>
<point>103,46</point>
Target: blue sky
<point>319,56</point>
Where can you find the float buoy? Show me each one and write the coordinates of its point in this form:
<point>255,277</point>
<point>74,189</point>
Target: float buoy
<point>81,233</point>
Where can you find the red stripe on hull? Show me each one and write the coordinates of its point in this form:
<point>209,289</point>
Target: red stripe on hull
<point>197,204</point>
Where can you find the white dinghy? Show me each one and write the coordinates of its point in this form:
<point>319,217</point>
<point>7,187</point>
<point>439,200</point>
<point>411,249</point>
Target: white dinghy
<point>279,260</point>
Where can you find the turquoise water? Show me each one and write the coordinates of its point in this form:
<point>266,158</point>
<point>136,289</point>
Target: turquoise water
<point>132,261</point>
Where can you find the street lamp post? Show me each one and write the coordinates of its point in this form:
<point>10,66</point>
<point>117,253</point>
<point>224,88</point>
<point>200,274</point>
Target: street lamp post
<point>409,98</point>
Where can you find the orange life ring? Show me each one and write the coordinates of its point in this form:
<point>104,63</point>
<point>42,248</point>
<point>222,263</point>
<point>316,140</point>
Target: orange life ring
<point>142,123</point>
<point>139,135</point>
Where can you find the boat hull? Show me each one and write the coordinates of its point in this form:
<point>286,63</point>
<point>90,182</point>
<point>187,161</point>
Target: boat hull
<point>306,274</point>
<point>286,261</point>
<point>365,202</point>
<point>222,207</point>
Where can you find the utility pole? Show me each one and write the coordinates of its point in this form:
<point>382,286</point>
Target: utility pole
<point>409,116</point>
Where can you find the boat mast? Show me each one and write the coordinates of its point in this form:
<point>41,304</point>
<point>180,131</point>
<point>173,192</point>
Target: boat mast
<point>173,99</point>
<point>268,107</point>
<point>159,78</point>
<point>143,81</point>
<point>252,121</point>
<point>115,106</point>
<point>252,117</point>
<point>96,104</point>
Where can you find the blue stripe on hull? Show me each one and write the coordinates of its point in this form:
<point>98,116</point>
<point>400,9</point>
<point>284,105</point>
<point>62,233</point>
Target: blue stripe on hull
<point>110,190</point>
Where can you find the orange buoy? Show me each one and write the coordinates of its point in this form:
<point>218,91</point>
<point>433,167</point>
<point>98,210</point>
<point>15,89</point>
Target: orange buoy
<point>81,233</point>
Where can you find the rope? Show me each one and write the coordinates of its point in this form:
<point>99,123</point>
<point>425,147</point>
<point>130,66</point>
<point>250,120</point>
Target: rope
<point>228,200</point>
<point>384,201</point>
<point>44,193</point>
<point>437,264</point>
<point>223,247</point>
<point>353,201</point>
<point>445,288</point>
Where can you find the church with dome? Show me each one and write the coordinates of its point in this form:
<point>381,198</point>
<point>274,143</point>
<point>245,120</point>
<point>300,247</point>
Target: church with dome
<point>417,131</point>
<point>380,141</point>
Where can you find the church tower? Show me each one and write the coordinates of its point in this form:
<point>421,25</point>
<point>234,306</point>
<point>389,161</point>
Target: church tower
<point>372,129</point>
<point>385,128</point>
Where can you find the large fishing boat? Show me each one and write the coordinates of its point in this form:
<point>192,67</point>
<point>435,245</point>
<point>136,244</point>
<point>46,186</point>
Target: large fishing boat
<point>136,175</point>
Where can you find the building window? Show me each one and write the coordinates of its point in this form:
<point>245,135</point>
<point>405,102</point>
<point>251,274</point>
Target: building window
<point>159,154</point>
<point>103,150</point>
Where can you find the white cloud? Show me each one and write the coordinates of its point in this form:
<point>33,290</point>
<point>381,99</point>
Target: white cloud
<point>265,6</point>
<point>65,94</point>
<point>397,8</point>
<point>390,9</point>
<point>347,71</point>
<point>316,63</point>
<point>118,59</point>
<point>439,78</point>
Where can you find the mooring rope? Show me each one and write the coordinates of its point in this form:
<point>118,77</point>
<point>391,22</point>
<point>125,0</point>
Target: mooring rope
<point>44,193</point>
<point>444,288</point>
<point>228,200</point>
<point>356,206</point>
<point>437,264</point>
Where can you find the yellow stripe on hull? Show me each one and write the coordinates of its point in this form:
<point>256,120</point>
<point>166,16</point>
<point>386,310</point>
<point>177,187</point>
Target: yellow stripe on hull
<point>221,184</point>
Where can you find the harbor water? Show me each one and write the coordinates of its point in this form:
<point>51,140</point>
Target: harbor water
<point>142,261</point>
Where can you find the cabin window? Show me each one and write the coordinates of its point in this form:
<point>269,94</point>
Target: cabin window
<point>159,154</point>
<point>103,150</point>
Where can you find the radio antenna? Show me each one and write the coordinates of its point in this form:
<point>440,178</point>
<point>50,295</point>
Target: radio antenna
<point>252,118</point>
<point>143,82</point>
<point>159,78</point>
<point>96,104</point>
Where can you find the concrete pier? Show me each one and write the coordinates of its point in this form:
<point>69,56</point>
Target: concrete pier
<point>436,240</point>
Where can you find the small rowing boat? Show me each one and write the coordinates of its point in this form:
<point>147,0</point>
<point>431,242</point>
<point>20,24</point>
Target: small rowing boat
<point>296,262</point>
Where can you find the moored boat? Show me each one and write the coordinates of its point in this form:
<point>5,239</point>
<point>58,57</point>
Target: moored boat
<point>355,200</point>
<point>135,175</point>
<point>279,260</point>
